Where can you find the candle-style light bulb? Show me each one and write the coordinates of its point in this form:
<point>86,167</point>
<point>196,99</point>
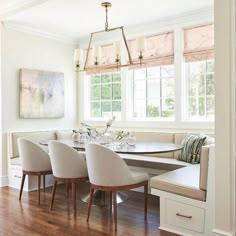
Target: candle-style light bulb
<point>78,57</point>
<point>97,54</point>
<point>140,47</point>
<point>117,51</point>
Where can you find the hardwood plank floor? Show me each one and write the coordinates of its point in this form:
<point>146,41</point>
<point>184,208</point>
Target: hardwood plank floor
<point>27,218</point>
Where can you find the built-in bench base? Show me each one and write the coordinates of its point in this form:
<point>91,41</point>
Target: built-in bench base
<point>182,215</point>
<point>151,165</point>
<point>184,198</point>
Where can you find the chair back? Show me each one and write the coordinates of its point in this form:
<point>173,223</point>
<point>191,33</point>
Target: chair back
<point>33,157</point>
<point>105,167</point>
<point>66,162</point>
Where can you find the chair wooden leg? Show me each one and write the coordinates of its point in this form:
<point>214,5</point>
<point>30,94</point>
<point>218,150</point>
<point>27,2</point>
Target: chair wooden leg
<point>39,185</point>
<point>110,193</point>
<point>22,185</point>
<point>67,189</point>
<point>53,193</point>
<point>74,196</point>
<point>104,197</point>
<point>44,183</point>
<point>115,209</point>
<point>90,202</point>
<point>145,200</point>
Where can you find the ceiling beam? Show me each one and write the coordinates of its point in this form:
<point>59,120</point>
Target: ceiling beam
<point>20,7</point>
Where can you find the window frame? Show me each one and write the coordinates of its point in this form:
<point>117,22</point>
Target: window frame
<point>179,122</point>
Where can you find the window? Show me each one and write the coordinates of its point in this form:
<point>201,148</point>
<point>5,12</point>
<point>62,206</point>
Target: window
<point>154,86</point>
<point>105,95</point>
<point>200,85</point>
<point>199,73</point>
<point>158,89</point>
<point>153,92</point>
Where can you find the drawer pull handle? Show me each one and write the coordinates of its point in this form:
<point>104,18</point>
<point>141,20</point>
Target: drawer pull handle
<point>188,217</point>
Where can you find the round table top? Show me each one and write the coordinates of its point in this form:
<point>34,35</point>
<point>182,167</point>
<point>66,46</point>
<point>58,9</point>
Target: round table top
<point>138,148</point>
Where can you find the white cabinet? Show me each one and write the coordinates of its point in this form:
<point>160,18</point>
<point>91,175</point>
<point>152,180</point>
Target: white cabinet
<point>185,216</point>
<point>15,176</point>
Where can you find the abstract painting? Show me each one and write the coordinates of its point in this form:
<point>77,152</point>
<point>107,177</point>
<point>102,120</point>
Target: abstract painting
<point>41,94</point>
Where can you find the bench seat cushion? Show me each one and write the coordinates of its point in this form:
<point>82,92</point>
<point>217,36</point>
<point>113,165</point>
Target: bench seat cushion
<point>184,182</point>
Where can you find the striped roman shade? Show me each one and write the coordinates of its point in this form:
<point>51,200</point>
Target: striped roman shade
<point>199,43</point>
<point>159,50</point>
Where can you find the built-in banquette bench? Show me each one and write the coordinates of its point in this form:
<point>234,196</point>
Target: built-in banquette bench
<point>184,197</point>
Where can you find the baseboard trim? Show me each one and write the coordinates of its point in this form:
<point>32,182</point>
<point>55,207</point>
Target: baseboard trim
<point>173,231</point>
<point>3,181</point>
<point>218,232</point>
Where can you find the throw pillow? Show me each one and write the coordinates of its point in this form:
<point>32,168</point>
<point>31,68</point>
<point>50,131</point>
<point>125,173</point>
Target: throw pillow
<point>192,146</point>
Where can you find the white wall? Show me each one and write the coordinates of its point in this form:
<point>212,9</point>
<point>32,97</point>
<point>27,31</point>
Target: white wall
<point>22,50</point>
<point>225,118</point>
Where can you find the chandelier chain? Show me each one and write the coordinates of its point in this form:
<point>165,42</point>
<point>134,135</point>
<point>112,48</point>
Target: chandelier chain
<point>106,23</point>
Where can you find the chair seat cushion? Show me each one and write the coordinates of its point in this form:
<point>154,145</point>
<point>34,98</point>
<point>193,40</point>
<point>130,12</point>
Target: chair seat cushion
<point>184,182</point>
<point>139,177</point>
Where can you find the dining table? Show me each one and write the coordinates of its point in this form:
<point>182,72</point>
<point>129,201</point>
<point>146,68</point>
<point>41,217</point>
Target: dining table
<point>140,148</point>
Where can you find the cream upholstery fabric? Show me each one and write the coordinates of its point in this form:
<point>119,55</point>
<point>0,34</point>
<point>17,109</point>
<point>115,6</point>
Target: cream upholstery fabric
<point>184,182</point>
<point>64,134</point>
<point>66,162</point>
<point>178,140</point>
<point>36,137</point>
<point>33,157</point>
<point>156,137</point>
<point>204,167</point>
<point>106,168</point>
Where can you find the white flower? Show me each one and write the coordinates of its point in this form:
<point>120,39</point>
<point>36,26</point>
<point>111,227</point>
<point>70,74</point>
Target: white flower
<point>109,122</point>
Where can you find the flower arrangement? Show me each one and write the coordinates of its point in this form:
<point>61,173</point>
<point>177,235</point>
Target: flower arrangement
<point>92,130</point>
<point>121,134</point>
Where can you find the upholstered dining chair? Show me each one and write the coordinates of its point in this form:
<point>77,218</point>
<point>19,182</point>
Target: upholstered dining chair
<point>108,172</point>
<point>35,161</point>
<point>68,166</point>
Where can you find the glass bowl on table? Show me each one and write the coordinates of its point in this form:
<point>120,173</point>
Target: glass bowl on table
<point>131,140</point>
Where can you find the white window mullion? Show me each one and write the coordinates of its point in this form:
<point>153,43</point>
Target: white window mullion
<point>124,93</point>
<point>179,85</point>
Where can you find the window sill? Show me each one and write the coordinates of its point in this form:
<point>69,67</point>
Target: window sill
<point>159,126</point>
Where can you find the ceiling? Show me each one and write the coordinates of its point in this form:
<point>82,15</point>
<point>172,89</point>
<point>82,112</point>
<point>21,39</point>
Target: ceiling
<point>77,18</point>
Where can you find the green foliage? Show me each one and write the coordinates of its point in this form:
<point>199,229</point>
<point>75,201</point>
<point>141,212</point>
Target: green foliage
<point>153,111</point>
<point>95,79</point>
<point>95,92</point>
<point>95,109</point>
<point>106,78</point>
<point>116,91</point>
<point>106,90</point>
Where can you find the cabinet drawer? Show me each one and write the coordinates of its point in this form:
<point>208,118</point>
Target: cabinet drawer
<point>15,175</point>
<point>185,216</point>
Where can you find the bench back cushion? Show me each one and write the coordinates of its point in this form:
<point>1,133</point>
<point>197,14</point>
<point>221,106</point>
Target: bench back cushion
<point>64,134</point>
<point>35,136</point>
<point>204,167</point>
<point>156,137</point>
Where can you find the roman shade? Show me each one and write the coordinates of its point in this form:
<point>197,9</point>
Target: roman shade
<point>199,43</point>
<point>159,50</point>
<point>107,59</point>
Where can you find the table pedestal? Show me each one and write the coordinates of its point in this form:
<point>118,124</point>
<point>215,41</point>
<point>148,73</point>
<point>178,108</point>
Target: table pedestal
<point>101,198</point>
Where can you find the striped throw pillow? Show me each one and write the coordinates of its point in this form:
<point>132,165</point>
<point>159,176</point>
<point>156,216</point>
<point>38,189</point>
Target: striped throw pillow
<point>192,146</point>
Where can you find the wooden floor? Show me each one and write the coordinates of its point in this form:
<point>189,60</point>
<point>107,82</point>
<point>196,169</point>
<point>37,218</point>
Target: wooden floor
<point>27,218</point>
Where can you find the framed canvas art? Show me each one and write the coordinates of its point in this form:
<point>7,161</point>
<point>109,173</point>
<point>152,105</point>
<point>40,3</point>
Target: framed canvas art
<point>41,94</point>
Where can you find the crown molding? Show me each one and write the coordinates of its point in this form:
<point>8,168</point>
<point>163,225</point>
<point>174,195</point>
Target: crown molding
<point>16,8</point>
<point>191,18</point>
<point>188,19</point>
<point>39,33</point>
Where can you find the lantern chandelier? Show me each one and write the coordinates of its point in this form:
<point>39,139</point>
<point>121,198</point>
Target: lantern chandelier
<point>95,52</point>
